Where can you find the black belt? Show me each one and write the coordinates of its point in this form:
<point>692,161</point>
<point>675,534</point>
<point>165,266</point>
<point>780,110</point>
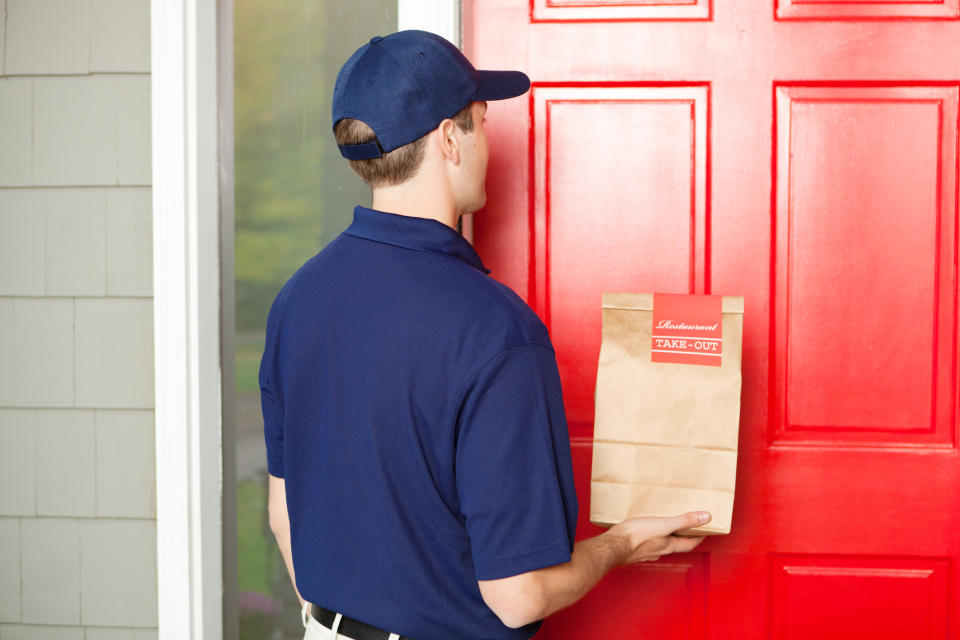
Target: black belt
<point>348,626</point>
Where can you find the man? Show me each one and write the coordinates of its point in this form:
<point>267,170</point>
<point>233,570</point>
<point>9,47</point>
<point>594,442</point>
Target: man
<point>413,402</point>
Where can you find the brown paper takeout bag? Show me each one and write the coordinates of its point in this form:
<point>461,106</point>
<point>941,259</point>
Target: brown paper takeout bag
<point>665,433</point>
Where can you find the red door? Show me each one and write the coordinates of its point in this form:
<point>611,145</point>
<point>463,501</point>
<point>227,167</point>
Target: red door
<point>804,156</point>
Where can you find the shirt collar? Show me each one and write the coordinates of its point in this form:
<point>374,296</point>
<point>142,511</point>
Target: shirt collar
<point>422,234</point>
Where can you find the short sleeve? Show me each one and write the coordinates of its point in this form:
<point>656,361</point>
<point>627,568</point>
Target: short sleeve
<point>513,468</point>
<point>270,399</point>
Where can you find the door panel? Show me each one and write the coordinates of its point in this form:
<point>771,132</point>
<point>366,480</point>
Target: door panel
<point>862,305</point>
<point>651,141</point>
<point>681,580</point>
<point>859,597</point>
<point>573,10</point>
<point>858,9</point>
<point>802,155</point>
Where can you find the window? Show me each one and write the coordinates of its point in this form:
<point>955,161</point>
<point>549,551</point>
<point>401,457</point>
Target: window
<point>293,193</point>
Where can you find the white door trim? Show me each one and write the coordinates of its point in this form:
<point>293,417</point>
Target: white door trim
<point>439,17</point>
<point>186,286</point>
<point>444,18</point>
<point>186,303</point>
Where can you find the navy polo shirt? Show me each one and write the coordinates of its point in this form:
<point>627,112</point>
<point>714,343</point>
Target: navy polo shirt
<point>414,407</point>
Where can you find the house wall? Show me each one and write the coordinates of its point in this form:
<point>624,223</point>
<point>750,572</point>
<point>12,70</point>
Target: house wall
<point>77,487</point>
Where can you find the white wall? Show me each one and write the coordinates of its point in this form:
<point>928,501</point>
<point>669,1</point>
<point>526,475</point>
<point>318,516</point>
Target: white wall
<point>77,495</point>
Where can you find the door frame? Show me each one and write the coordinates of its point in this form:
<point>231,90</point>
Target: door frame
<point>191,84</point>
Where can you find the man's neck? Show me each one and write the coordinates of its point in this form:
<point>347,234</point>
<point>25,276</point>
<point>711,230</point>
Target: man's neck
<point>415,203</point>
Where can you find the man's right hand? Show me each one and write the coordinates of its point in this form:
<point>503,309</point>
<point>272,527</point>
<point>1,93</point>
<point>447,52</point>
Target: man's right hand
<point>521,599</point>
<point>647,538</point>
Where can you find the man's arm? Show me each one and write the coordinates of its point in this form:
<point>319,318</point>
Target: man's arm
<point>527,597</point>
<point>280,524</point>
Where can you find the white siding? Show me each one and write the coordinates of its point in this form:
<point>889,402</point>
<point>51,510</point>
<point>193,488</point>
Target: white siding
<point>50,561</point>
<point>47,36</point>
<point>66,471</point>
<point>22,239</point>
<point>77,472</point>
<point>38,352</point>
<point>9,569</point>
<point>16,126</point>
<point>18,467</point>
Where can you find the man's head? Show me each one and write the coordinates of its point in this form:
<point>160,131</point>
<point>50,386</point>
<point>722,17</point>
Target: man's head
<point>393,167</point>
<point>455,154</point>
<point>408,101</point>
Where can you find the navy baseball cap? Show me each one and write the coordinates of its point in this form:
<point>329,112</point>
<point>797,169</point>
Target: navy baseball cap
<point>404,84</point>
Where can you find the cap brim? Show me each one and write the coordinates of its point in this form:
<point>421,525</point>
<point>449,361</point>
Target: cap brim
<point>500,85</point>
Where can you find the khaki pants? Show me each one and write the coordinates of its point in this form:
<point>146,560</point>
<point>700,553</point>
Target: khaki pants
<point>316,631</point>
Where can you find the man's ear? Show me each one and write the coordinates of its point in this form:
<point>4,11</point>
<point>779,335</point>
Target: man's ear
<point>447,139</point>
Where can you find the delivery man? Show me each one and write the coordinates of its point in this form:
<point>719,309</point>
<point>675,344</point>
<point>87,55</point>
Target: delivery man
<point>420,480</point>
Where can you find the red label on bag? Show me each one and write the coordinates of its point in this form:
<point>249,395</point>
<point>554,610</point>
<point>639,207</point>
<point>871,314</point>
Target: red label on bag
<point>687,329</point>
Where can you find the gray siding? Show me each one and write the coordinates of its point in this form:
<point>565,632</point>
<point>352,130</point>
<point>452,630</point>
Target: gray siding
<point>77,494</point>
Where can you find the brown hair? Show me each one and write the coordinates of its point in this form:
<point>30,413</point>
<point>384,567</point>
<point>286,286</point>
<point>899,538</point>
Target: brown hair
<point>395,166</point>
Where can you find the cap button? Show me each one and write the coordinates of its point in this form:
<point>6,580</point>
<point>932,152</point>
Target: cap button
<point>376,39</point>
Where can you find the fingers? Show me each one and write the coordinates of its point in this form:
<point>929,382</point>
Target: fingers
<point>674,544</point>
<point>683,544</point>
<point>686,521</point>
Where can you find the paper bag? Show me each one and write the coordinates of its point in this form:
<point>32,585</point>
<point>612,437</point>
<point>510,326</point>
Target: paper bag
<point>667,408</point>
